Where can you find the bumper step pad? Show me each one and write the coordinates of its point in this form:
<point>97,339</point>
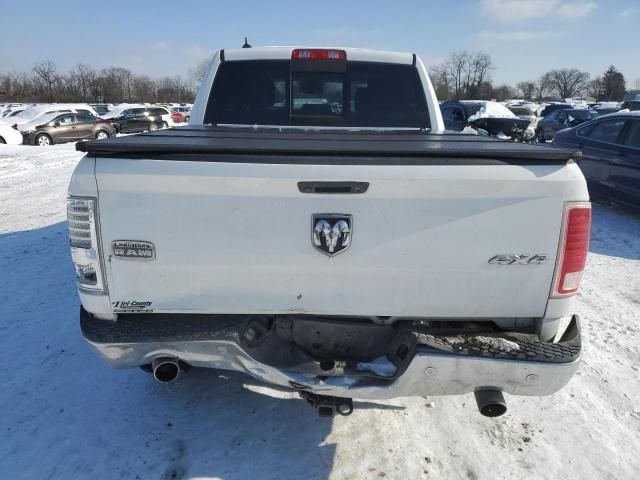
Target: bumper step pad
<point>509,346</point>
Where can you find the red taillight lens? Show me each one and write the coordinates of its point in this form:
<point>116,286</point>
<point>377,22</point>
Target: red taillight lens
<point>318,54</point>
<point>576,231</point>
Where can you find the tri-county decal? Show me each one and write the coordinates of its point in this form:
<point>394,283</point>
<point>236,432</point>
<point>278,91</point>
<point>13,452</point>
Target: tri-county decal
<point>133,249</point>
<point>131,306</point>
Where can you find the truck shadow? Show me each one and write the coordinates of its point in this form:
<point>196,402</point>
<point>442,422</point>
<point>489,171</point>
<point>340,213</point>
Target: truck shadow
<point>615,232</point>
<point>68,415</point>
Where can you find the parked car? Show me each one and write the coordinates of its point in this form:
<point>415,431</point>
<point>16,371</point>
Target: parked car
<point>11,109</point>
<point>605,105</point>
<point>67,127</point>
<point>32,113</point>
<point>554,107</point>
<point>166,106</point>
<point>165,113</point>
<point>605,111</point>
<point>339,251</point>
<point>526,113</point>
<point>180,114</point>
<point>101,108</point>
<point>632,105</point>
<point>561,119</point>
<point>610,154</point>
<point>10,135</point>
<point>137,118</point>
<point>12,112</point>
<point>491,117</point>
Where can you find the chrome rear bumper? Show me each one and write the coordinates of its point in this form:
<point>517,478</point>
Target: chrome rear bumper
<point>432,370</point>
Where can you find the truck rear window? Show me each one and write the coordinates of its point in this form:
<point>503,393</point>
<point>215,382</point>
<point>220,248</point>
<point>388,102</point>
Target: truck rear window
<point>268,92</point>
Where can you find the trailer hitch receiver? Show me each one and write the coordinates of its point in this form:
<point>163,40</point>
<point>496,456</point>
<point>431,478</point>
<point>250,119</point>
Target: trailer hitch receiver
<point>328,406</point>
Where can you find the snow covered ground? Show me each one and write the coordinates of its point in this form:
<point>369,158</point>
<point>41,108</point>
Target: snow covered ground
<point>66,415</point>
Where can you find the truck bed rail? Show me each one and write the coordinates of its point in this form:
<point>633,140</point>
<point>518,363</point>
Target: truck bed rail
<point>271,145</point>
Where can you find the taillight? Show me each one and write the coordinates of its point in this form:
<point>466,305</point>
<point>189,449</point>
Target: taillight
<point>83,236</point>
<point>572,257</point>
<point>318,54</point>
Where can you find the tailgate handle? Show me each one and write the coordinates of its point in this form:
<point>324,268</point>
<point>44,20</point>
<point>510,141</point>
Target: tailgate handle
<point>333,187</point>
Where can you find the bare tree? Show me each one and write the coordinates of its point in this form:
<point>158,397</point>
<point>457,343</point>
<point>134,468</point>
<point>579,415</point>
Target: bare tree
<point>503,92</point>
<point>198,72</point>
<point>455,68</point>
<point>568,82</point>
<point>46,70</point>
<point>595,88</point>
<point>143,89</point>
<point>440,81</point>
<point>527,89</point>
<point>478,67</point>
<point>84,77</point>
<point>83,83</point>
<point>463,74</point>
<point>117,84</point>
<point>542,86</point>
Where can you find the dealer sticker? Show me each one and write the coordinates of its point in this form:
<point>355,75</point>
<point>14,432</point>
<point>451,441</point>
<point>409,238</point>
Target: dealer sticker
<point>132,306</point>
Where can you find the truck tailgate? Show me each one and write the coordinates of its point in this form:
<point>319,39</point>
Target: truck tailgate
<point>236,237</point>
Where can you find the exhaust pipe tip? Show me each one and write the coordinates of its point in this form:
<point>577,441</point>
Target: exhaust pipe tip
<point>491,403</point>
<point>165,370</point>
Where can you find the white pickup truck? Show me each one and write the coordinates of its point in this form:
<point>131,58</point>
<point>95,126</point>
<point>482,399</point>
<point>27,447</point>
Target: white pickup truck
<point>316,228</point>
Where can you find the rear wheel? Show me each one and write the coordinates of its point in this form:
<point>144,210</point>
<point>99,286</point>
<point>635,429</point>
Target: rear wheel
<point>165,125</point>
<point>43,140</point>
<point>153,127</point>
<point>2,140</point>
<point>102,135</point>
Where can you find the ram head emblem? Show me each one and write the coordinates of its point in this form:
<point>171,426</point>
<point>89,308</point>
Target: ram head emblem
<point>331,233</point>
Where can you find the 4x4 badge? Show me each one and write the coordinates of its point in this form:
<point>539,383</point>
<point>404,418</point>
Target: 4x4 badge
<point>331,233</point>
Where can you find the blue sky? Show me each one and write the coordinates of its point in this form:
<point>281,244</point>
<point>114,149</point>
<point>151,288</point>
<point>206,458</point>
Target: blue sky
<point>525,38</point>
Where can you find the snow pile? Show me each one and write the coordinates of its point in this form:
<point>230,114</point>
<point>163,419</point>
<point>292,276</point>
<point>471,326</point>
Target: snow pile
<point>490,110</point>
<point>34,112</point>
<point>68,416</point>
<point>36,122</point>
<point>380,366</point>
<point>481,343</point>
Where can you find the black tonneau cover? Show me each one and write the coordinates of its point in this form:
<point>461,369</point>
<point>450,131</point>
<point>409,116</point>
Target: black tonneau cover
<point>270,145</point>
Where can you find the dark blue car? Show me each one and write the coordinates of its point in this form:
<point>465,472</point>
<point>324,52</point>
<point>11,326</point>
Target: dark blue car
<point>560,119</point>
<point>610,148</point>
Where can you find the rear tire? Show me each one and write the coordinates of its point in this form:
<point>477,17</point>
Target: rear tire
<point>102,135</point>
<point>165,125</point>
<point>2,141</point>
<point>153,127</point>
<point>43,140</point>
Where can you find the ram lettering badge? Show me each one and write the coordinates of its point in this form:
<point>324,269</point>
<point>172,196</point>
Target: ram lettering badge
<point>133,249</point>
